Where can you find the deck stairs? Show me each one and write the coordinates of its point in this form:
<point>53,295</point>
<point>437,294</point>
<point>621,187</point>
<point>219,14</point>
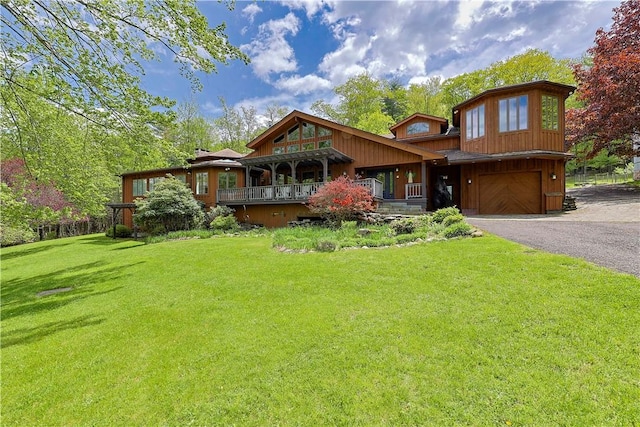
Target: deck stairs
<point>400,207</point>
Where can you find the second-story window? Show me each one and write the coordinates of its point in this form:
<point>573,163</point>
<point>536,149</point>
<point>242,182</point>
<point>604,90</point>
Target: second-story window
<point>550,112</point>
<point>293,134</point>
<point>202,183</point>
<point>513,113</point>
<point>475,122</point>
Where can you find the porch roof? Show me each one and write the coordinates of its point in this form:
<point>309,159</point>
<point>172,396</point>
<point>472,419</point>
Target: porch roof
<point>329,153</point>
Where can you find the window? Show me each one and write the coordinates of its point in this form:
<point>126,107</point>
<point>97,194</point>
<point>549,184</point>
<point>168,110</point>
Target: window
<point>182,178</point>
<point>294,133</point>
<point>293,148</point>
<point>153,182</point>
<point>227,180</point>
<point>513,113</point>
<point>475,122</point>
<point>323,131</point>
<point>139,187</point>
<point>418,127</point>
<point>278,150</point>
<point>308,146</point>
<point>202,183</point>
<point>550,112</point>
<point>278,139</point>
<point>308,130</point>
<point>324,144</point>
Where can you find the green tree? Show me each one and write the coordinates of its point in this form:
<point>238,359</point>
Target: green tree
<point>426,98</point>
<point>170,206</point>
<point>395,101</point>
<point>93,52</point>
<point>360,105</point>
<point>236,127</point>
<point>530,66</point>
<point>190,131</point>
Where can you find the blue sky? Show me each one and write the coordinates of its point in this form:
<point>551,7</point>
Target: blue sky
<point>301,49</point>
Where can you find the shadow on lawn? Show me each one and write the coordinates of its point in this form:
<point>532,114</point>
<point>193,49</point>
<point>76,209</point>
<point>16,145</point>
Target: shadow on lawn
<point>102,240</point>
<point>19,251</point>
<point>29,335</point>
<point>19,296</point>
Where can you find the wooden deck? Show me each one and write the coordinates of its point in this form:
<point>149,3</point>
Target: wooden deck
<point>287,193</point>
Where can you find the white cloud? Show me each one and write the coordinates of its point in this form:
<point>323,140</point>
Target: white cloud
<point>303,85</point>
<point>270,52</point>
<point>251,11</point>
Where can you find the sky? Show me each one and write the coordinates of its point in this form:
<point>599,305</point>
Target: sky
<point>301,49</point>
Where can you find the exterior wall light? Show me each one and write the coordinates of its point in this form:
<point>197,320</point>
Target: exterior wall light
<point>553,175</point>
<point>469,181</point>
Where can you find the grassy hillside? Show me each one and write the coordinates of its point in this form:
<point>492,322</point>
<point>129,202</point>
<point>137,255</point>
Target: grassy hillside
<point>230,331</point>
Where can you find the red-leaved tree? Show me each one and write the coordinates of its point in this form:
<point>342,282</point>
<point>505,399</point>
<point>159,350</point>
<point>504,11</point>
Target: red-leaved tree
<point>341,199</point>
<point>610,87</point>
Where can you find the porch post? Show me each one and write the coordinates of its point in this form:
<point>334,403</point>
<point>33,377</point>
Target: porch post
<point>292,165</point>
<point>424,185</point>
<point>274,178</point>
<point>325,169</point>
<point>247,175</point>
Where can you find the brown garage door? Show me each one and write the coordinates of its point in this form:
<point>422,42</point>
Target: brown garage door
<point>510,193</point>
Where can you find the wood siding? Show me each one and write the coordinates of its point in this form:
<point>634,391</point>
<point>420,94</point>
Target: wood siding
<point>209,199</point>
<point>533,138</point>
<point>435,128</point>
<point>550,192</point>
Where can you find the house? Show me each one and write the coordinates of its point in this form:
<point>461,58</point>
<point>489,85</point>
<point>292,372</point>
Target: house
<point>503,154</point>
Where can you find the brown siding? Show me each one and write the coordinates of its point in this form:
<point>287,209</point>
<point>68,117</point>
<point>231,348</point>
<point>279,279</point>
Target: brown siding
<point>533,138</point>
<point>551,191</point>
<point>271,216</point>
<point>451,143</point>
<point>434,128</point>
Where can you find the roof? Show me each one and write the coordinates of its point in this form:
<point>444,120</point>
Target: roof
<point>226,153</point>
<point>544,84</point>
<point>460,157</point>
<point>416,115</point>
<point>299,115</point>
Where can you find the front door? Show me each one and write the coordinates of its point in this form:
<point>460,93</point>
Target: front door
<point>387,178</point>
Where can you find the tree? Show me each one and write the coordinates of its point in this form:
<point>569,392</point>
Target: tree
<point>530,66</point>
<point>395,101</point>
<point>274,114</point>
<point>237,127</point>
<point>170,206</point>
<point>610,87</point>
<point>341,199</point>
<point>92,52</point>
<point>426,98</point>
<point>190,131</point>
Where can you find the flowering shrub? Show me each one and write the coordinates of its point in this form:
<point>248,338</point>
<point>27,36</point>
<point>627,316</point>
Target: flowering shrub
<point>341,200</point>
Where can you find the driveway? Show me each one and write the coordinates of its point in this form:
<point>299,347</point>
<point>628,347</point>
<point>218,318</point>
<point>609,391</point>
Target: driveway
<point>604,229</point>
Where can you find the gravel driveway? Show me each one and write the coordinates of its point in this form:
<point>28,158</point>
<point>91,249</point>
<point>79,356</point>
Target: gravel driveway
<point>605,229</point>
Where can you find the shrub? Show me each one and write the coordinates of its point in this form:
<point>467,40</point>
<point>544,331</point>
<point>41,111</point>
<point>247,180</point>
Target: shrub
<point>439,215</point>
<point>225,223</point>
<point>452,219</point>
<point>170,206</point>
<point>341,200</point>
<point>220,210</point>
<point>456,230</point>
<point>10,236</point>
<point>405,225</point>
<point>121,231</point>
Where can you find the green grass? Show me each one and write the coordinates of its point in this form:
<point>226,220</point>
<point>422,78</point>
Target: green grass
<point>229,331</point>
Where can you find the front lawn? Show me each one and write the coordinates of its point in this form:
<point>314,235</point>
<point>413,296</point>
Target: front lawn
<point>230,331</point>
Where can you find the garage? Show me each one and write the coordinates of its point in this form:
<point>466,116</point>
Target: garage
<point>510,193</point>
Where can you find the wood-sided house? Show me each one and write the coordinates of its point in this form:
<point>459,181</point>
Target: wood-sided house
<point>503,154</point>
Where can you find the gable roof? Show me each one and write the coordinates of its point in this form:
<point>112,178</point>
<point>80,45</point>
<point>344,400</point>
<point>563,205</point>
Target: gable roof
<point>417,115</point>
<point>296,116</point>
<point>226,153</point>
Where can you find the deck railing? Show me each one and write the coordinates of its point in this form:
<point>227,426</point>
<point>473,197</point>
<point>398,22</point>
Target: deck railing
<point>413,190</point>
<point>293,192</point>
